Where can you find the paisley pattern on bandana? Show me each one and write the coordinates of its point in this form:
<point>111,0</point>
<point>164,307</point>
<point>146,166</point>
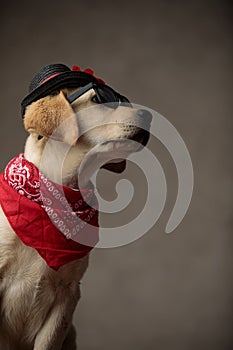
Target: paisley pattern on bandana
<point>64,206</point>
<point>66,210</point>
<point>24,178</point>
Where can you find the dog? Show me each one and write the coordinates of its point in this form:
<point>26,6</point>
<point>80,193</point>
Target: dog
<point>37,301</point>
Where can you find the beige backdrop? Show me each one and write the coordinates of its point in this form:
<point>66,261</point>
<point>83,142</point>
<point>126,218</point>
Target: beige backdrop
<point>161,292</point>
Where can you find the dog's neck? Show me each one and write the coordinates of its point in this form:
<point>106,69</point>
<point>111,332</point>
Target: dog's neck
<point>56,160</point>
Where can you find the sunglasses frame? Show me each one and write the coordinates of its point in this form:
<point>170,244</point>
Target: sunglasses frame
<point>118,98</point>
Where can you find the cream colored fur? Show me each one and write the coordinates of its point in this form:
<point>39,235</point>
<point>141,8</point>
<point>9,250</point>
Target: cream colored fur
<point>36,302</point>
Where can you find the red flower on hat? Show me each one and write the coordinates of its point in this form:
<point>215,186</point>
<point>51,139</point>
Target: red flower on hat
<point>88,71</point>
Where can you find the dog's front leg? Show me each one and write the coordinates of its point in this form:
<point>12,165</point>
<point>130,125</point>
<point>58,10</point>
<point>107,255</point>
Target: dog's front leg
<point>57,325</point>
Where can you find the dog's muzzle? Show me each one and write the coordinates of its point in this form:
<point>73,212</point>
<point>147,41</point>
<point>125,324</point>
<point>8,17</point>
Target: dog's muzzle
<point>139,133</point>
<point>138,130</point>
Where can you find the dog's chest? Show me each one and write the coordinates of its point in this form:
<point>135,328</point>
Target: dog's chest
<point>26,292</point>
<point>28,287</point>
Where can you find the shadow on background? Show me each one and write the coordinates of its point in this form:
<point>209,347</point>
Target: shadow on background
<point>163,291</point>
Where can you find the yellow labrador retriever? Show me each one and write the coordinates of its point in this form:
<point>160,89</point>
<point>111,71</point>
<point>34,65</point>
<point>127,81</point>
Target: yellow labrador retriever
<point>36,301</point>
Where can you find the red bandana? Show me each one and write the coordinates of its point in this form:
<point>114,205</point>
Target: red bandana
<point>46,216</point>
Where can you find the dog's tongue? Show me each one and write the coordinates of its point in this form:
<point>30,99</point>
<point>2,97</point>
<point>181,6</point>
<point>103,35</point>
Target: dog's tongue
<point>117,167</point>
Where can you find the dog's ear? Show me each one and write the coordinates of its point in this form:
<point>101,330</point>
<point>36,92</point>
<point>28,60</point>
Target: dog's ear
<point>52,116</point>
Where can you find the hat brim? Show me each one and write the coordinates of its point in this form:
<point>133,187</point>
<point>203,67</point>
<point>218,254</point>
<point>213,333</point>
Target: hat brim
<point>63,80</point>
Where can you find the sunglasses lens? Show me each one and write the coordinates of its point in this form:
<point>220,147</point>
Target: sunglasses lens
<point>125,102</point>
<point>124,99</point>
<point>106,95</point>
<point>110,97</point>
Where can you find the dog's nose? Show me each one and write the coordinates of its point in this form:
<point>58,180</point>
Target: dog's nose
<point>145,115</point>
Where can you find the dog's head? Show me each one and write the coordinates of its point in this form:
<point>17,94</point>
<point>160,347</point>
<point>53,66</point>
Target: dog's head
<point>89,121</point>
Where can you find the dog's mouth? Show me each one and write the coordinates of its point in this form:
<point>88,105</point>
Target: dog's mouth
<point>142,137</point>
<point>112,154</point>
<point>132,143</point>
<point>126,145</point>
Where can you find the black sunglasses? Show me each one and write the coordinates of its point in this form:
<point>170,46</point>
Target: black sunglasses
<point>104,94</point>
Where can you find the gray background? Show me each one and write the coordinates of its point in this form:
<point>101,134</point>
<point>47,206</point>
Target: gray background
<point>163,291</point>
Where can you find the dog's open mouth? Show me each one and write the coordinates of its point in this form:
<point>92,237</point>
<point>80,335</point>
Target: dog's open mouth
<point>118,164</point>
<point>112,154</point>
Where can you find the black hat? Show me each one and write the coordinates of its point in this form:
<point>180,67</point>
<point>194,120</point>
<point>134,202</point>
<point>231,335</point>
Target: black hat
<point>53,77</point>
